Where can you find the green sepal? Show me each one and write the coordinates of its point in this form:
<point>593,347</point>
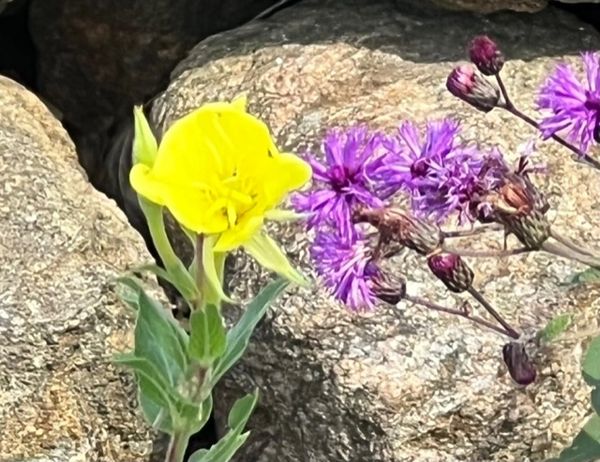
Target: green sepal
<point>145,147</point>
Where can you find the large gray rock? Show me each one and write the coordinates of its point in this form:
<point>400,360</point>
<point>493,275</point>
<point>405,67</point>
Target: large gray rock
<point>401,384</point>
<point>61,246</point>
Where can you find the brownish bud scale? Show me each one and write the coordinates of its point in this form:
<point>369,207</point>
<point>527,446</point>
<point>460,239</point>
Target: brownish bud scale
<point>452,271</point>
<point>484,53</point>
<point>520,367</point>
<point>404,228</point>
<point>465,83</point>
<point>389,289</point>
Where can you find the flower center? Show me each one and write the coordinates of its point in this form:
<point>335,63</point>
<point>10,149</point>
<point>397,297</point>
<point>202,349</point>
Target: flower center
<point>419,168</point>
<point>592,102</point>
<point>340,178</point>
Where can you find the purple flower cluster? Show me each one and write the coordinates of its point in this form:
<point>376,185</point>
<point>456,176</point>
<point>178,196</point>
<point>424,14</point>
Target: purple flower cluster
<point>570,105</point>
<point>441,175</point>
<point>360,168</point>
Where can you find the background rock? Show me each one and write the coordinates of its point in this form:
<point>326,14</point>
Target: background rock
<point>400,384</point>
<point>97,59</point>
<point>61,246</point>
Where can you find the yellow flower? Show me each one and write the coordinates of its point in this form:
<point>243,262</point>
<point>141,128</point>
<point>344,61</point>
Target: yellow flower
<point>220,174</point>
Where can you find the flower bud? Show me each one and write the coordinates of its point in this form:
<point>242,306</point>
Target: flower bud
<point>452,271</point>
<point>484,53</point>
<point>465,83</point>
<point>389,289</point>
<point>404,228</point>
<point>520,367</point>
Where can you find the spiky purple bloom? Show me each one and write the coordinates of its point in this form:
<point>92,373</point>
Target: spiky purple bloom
<point>345,179</point>
<point>572,106</point>
<point>346,268</point>
<point>439,172</point>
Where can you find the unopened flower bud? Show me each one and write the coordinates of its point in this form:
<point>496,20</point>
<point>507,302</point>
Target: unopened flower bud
<point>389,289</point>
<point>520,367</point>
<point>484,53</point>
<point>452,271</point>
<point>403,227</point>
<point>465,83</point>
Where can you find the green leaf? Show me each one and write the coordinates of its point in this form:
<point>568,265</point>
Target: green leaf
<point>585,446</point>
<point>239,335</point>
<point>227,446</point>
<point>208,337</point>
<point>150,380</point>
<point>156,415</point>
<point>196,416</point>
<point>584,277</point>
<point>241,410</point>
<point>160,340</point>
<point>555,327</point>
<point>128,290</point>
<point>591,363</point>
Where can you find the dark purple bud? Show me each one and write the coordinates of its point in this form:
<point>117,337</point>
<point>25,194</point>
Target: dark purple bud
<point>452,271</point>
<point>389,289</point>
<point>484,53</point>
<point>519,365</point>
<point>465,83</point>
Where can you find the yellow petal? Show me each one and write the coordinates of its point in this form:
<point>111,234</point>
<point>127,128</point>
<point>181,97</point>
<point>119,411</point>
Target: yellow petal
<point>144,143</point>
<point>289,173</point>
<point>209,269</point>
<point>239,234</point>
<point>268,254</point>
<point>142,183</point>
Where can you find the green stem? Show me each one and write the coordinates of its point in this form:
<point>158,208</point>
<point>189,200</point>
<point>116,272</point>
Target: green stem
<point>173,265</point>
<point>199,271</point>
<point>177,447</point>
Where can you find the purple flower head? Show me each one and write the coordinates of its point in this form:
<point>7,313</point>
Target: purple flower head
<point>346,268</point>
<point>484,53</point>
<point>440,173</point>
<point>570,105</point>
<point>344,179</point>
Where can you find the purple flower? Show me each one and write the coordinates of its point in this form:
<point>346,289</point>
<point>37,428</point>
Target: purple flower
<point>571,105</point>
<point>346,268</point>
<point>345,179</point>
<point>439,172</point>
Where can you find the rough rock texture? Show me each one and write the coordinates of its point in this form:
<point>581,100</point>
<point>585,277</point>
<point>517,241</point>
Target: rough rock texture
<point>401,384</point>
<point>61,246</point>
<point>491,6</point>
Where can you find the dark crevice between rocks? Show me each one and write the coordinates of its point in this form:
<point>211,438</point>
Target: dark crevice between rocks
<point>17,52</point>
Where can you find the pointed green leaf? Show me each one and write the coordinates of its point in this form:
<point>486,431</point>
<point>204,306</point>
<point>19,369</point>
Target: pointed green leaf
<point>227,446</point>
<point>585,446</point>
<point>584,277</point>
<point>555,327</point>
<point>591,363</point>
<point>128,290</point>
<point>160,340</point>
<point>150,380</point>
<point>239,335</point>
<point>157,416</point>
<point>241,410</point>
<point>208,337</point>
<point>145,147</point>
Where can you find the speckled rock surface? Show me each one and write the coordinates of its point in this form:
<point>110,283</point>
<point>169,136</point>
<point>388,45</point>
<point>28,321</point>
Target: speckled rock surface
<point>401,384</point>
<point>61,246</point>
